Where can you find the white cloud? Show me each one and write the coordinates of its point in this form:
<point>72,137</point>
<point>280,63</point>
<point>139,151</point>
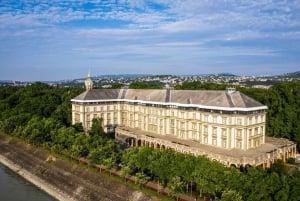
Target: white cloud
<point>158,33</point>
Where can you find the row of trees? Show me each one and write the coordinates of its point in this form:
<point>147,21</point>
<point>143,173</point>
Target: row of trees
<point>187,173</point>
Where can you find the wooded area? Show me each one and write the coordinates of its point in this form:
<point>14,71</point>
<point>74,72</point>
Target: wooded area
<point>41,115</point>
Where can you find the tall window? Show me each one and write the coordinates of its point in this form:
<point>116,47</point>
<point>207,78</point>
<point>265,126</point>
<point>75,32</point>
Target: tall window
<point>250,132</point>
<point>194,135</point>
<point>205,139</point>
<point>224,132</point>
<point>250,120</point>
<point>239,121</point>
<point>214,119</point>
<point>182,125</point>
<point>214,131</point>
<point>238,144</point>
<point>77,117</point>
<point>224,143</point>
<point>194,126</point>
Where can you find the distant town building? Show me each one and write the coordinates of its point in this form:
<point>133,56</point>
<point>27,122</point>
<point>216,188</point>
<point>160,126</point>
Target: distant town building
<point>226,126</point>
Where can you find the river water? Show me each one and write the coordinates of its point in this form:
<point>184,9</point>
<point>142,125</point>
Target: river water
<point>15,188</point>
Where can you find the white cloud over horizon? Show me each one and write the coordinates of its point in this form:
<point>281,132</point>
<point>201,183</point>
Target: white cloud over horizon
<point>142,36</point>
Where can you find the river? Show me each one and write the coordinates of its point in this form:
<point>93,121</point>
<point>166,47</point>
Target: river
<point>15,188</point>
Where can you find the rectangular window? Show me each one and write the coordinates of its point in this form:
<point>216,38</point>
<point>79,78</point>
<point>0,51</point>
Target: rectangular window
<point>250,120</point>
<point>205,140</point>
<point>194,135</point>
<point>239,144</point>
<point>224,143</point>
<point>77,118</point>
<point>224,132</point>
<point>194,126</point>
<point>182,125</point>
<point>214,131</point>
<point>172,113</point>
<point>239,121</point>
<point>224,120</point>
<point>214,119</point>
<point>193,116</point>
<point>239,133</point>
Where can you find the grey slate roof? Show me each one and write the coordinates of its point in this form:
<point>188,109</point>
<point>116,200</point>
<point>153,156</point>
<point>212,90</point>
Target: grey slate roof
<point>195,97</point>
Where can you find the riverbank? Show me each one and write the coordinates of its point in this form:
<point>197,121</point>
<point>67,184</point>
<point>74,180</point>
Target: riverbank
<point>51,190</point>
<point>59,178</point>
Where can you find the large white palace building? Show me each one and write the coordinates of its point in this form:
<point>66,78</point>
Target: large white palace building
<point>226,126</point>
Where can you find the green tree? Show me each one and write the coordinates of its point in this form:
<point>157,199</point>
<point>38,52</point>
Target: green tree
<point>125,172</point>
<point>176,186</point>
<point>97,128</point>
<point>294,184</point>
<point>141,179</point>
<point>231,195</point>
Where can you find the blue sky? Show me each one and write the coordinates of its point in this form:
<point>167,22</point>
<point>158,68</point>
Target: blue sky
<point>64,39</point>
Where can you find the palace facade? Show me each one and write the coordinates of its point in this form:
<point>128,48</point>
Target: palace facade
<point>227,126</point>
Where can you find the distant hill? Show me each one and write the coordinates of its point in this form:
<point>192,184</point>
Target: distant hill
<point>292,75</point>
<point>227,75</point>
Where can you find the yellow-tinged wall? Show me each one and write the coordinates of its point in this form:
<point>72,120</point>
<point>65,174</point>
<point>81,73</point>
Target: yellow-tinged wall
<point>217,129</point>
